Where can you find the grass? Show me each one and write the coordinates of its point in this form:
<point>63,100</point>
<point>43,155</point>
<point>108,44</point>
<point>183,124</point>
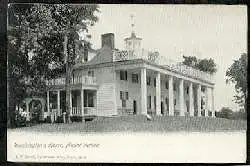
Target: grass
<point>141,124</point>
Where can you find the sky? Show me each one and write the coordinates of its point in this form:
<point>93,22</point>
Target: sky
<point>205,31</point>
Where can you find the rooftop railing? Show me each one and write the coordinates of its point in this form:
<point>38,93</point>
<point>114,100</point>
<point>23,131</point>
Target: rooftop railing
<point>87,80</point>
<point>154,57</point>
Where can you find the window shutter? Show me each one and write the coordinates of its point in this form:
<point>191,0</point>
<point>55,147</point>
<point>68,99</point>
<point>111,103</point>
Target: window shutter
<point>166,84</point>
<point>127,95</point>
<point>126,75</point>
<point>120,75</point>
<point>155,102</point>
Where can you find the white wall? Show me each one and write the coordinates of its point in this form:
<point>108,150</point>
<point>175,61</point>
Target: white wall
<point>108,93</point>
<point>134,90</point>
<point>105,94</point>
<point>106,103</point>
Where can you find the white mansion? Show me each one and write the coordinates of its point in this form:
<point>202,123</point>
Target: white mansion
<point>110,82</point>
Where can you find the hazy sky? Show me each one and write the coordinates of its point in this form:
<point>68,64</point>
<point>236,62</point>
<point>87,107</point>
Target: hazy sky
<point>206,31</point>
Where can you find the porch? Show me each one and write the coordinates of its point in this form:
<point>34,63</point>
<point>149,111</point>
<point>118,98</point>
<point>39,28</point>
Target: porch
<point>75,80</point>
<point>82,103</point>
<point>145,89</point>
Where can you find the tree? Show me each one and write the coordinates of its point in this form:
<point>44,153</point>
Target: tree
<point>237,74</point>
<point>66,22</point>
<point>18,66</point>
<point>206,65</point>
<point>42,41</point>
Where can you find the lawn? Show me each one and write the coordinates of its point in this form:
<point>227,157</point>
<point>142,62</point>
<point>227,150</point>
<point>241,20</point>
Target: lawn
<point>141,124</point>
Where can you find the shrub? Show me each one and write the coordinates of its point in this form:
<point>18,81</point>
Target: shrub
<point>239,115</point>
<point>47,119</point>
<point>76,118</point>
<point>225,112</point>
<point>20,121</point>
<point>59,119</point>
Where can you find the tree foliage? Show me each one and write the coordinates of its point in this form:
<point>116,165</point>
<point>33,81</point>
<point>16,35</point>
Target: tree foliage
<point>36,43</point>
<point>18,66</point>
<point>237,74</point>
<point>228,113</point>
<point>206,65</point>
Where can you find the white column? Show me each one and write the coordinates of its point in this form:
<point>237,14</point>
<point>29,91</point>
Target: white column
<point>199,99</point>
<point>206,98</point>
<point>58,102</point>
<point>181,97</point>
<point>171,96</point>
<point>82,103</point>
<point>70,103</point>
<point>143,91</point>
<point>158,93</point>
<point>48,102</point>
<point>212,109</point>
<point>191,99</point>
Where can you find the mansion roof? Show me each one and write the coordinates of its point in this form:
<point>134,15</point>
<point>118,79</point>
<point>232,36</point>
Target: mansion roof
<point>109,56</point>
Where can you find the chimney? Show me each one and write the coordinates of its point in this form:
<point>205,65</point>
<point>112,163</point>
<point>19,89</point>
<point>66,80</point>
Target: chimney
<point>109,40</point>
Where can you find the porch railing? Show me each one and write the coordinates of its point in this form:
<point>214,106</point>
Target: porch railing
<point>90,111</point>
<point>154,57</point>
<point>88,80</point>
<point>76,111</point>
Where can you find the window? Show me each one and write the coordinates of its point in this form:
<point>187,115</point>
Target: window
<point>187,104</point>
<point>123,75</point>
<point>88,98</point>
<point>154,82</point>
<point>175,102</point>
<point>166,84</point>
<point>85,57</point>
<point>74,100</point>
<point>135,78</point>
<point>166,101</point>
<point>187,90</point>
<point>149,102</point>
<point>174,87</point>
<point>123,103</point>
<point>148,80</point>
<point>121,95</point>
<point>155,101</point>
<point>91,73</point>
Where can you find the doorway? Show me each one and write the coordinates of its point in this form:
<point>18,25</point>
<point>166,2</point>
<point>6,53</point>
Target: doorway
<point>162,108</point>
<point>134,107</point>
